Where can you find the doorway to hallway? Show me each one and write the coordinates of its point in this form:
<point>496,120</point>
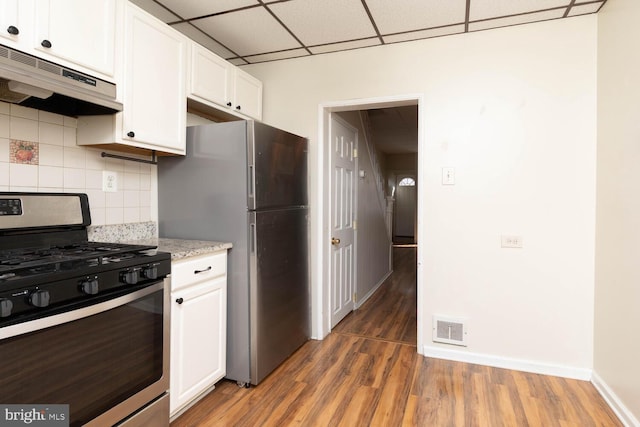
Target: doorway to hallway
<point>377,110</point>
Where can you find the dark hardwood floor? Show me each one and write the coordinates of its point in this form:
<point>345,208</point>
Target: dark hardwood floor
<point>367,373</point>
<point>390,313</point>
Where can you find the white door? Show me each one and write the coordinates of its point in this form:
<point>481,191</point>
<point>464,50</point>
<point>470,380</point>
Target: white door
<point>344,143</point>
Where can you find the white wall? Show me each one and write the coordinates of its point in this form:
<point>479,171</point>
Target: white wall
<point>62,166</point>
<point>514,111</point>
<point>372,242</point>
<point>617,317</point>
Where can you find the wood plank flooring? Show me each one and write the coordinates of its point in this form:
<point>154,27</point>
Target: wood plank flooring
<point>367,373</point>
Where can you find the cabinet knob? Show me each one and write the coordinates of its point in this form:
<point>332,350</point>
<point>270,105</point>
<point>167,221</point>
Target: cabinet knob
<point>238,108</point>
<point>13,30</point>
<point>229,104</point>
<point>180,300</point>
<point>131,134</point>
<point>46,43</point>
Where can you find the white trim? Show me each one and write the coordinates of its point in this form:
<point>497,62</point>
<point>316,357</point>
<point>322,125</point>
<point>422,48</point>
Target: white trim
<point>321,324</point>
<point>372,291</point>
<point>508,363</point>
<point>614,402</point>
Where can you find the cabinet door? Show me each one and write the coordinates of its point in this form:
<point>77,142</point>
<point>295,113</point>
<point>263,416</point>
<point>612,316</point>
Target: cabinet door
<point>14,27</point>
<point>79,31</point>
<point>211,77</point>
<point>154,87</point>
<point>248,95</point>
<point>198,340</point>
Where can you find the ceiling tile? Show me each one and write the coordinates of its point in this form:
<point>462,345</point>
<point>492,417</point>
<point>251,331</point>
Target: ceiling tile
<point>407,15</point>
<point>515,20</point>
<point>287,54</point>
<point>354,44</point>
<point>317,22</point>
<point>248,32</point>
<point>238,61</point>
<point>156,10</point>
<point>584,8</point>
<point>424,34</point>
<point>193,8</point>
<point>198,36</point>
<point>484,9</point>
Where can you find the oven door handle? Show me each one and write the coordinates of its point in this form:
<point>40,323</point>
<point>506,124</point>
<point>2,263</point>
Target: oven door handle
<point>80,313</point>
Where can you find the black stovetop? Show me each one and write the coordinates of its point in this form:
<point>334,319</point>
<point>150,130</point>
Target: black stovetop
<point>75,256</point>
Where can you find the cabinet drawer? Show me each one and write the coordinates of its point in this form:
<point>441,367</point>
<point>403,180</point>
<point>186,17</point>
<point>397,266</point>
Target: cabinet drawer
<point>196,269</point>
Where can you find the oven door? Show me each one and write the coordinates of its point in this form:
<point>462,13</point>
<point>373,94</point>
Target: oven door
<point>106,361</point>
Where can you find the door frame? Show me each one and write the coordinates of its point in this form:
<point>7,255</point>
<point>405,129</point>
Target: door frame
<point>321,291</point>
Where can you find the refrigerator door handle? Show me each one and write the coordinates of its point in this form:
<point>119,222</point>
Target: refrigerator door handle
<point>251,185</point>
<point>252,238</point>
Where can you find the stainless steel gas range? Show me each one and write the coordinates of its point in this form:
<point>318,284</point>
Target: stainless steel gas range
<point>83,324</point>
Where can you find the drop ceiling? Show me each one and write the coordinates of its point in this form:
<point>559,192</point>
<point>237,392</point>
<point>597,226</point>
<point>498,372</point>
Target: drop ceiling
<point>252,31</point>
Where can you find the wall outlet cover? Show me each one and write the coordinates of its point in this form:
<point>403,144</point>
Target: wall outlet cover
<point>511,241</point>
<point>109,181</point>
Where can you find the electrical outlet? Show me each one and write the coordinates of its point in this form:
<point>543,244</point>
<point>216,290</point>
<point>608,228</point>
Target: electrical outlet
<point>109,181</point>
<point>511,241</point>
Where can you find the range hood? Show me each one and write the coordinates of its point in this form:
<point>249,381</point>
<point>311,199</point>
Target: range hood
<point>33,82</point>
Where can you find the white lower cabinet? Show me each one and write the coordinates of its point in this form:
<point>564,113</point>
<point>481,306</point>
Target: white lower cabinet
<point>198,327</point>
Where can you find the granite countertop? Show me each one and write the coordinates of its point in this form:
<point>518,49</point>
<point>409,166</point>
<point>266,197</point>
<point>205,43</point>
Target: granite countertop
<point>181,248</point>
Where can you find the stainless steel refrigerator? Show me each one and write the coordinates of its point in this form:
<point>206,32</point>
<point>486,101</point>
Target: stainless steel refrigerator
<point>246,183</point>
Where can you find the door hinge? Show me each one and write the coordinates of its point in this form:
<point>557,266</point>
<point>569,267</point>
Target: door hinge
<point>355,224</point>
<point>355,153</point>
<point>354,297</point>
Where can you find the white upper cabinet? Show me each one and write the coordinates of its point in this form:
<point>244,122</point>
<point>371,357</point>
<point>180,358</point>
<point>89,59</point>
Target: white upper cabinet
<point>79,31</point>
<point>216,81</point>
<point>13,16</point>
<point>154,87</point>
<point>248,94</point>
<point>152,90</point>
<point>78,34</point>
<point>211,76</point>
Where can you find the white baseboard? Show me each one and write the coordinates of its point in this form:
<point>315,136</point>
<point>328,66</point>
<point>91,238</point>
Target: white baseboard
<point>508,363</point>
<point>373,290</point>
<point>625,415</point>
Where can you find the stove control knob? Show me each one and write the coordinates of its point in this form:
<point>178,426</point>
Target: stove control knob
<point>130,277</point>
<point>150,272</point>
<point>5,307</point>
<point>39,298</point>
<point>90,286</point>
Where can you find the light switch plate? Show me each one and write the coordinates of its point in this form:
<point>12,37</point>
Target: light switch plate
<point>109,181</point>
<point>448,176</point>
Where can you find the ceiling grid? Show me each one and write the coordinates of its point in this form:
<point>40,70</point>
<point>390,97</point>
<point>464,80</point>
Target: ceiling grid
<point>252,31</point>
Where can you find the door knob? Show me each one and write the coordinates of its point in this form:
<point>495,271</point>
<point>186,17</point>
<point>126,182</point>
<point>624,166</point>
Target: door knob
<point>335,241</point>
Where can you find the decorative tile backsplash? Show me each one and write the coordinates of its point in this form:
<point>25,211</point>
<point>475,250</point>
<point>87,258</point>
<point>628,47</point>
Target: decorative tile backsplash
<point>38,152</point>
<point>23,152</point>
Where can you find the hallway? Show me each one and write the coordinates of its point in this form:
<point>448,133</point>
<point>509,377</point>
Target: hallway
<point>367,373</point>
<point>390,313</point>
